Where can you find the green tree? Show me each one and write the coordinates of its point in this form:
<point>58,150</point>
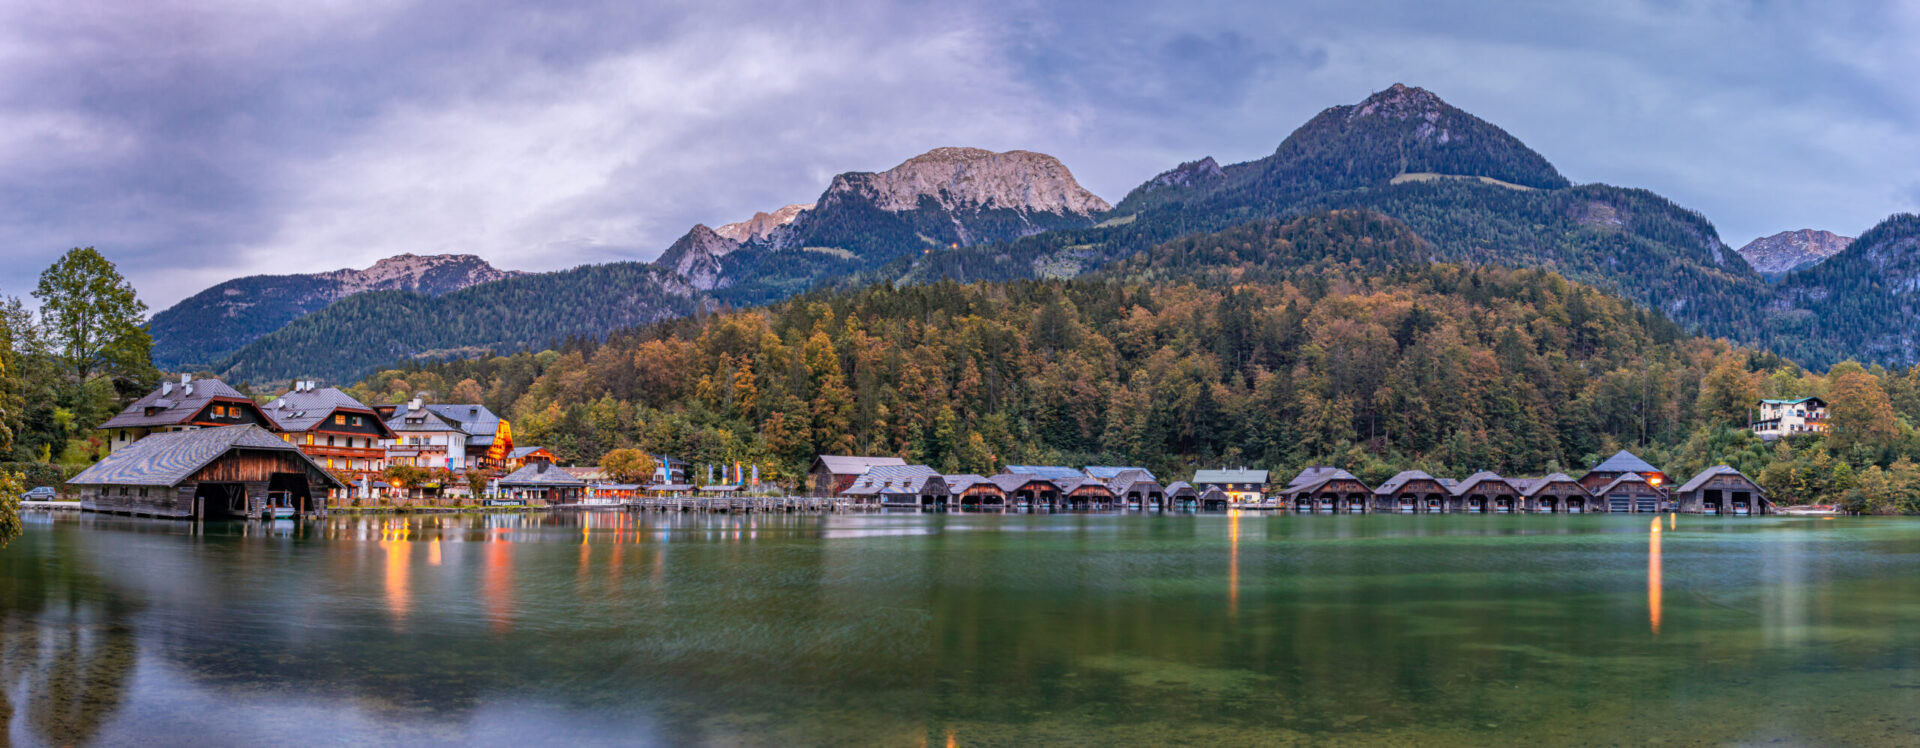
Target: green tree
<point>1860,413</point>
<point>93,317</point>
<point>628,465</point>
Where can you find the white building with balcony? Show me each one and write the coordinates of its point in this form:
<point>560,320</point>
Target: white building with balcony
<point>1796,417</point>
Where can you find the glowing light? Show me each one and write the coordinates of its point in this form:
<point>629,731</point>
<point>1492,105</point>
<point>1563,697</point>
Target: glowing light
<point>1653,578</point>
<point>397,558</point>
<point>1671,520</point>
<point>1233,562</point>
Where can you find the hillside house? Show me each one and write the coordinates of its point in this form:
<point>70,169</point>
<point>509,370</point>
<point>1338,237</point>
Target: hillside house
<point>1795,417</point>
<point>182,406</point>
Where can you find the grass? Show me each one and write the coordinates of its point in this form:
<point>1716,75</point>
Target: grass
<point>832,251</point>
<point>1120,221</point>
<point>1427,176</point>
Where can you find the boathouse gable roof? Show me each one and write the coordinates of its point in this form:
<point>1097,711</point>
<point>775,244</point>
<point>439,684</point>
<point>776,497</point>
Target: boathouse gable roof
<point>854,464</point>
<point>169,459</point>
<point>1317,477</point>
<point>1483,477</point>
<point>1624,462</point>
<point>542,474</point>
<point>1621,481</point>
<point>1180,488</point>
<point>897,479</point>
<point>1049,472</point>
<point>1401,479</point>
<point>1530,487</point>
<point>1109,472</point>
<point>1011,482</point>
<point>1241,475</point>
<point>1695,483</point>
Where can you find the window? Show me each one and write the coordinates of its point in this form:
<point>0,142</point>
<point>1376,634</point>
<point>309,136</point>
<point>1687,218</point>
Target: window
<point>329,441</point>
<point>329,463</point>
<point>339,419</point>
<point>309,440</point>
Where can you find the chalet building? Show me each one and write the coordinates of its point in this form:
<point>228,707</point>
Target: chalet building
<point>182,406</point>
<point>1621,463</point>
<point>1553,494</point>
<point>901,486</point>
<point>222,472</point>
<point>832,475</point>
<point>1412,492</point>
<point>1085,493</point>
<point>337,431</point>
<point>520,457</point>
<point>1722,490</point>
<point>1629,493</point>
<point>452,436</point>
<point>1485,492</point>
<point>1182,494</point>
<point>1778,418</point>
<point>1029,491</point>
<point>1243,486</point>
<point>971,491</point>
<point>543,481</point>
<point>1136,489</point>
<point>1326,489</point>
<point>1108,473</point>
<point>1049,472</point>
<point>670,470</point>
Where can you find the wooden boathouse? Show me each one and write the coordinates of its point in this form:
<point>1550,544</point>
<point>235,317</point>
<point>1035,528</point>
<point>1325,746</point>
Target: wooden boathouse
<point>1085,493</point>
<point>1722,490</point>
<point>1137,489</point>
<point>1182,494</point>
<point>228,472</point>
<point>901,486</point>
<point>1412,492</point>
<point>972,491</point>
<point>1553,494</point>
<point>1026,490</point>
<point>1630,493</point>
<point>544,481</point>
<point>1326,489</point>
<point>1485,492</point>
<point>832,475</point>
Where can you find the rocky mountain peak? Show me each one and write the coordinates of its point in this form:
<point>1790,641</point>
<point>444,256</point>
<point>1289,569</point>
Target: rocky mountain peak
<point>696,257</point>
<point>968,179</point>
<point>1788,251</point>
<point>431,274</point>
<point>1191,172</point>
<point>762,223</point>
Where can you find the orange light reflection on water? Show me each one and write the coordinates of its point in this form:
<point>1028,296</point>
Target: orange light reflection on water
<point>394,542</point>
<point>1233,562</point>
<point>496,582</point>
<point>1653,578</point>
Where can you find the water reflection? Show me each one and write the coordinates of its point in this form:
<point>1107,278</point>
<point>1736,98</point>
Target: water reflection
<point>1653,577</point>
<point>1011,629</point>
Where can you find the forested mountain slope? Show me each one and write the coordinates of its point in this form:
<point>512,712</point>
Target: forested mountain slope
<point>1862,303</point>
<point>206,327</point>
<point>1273,344</point>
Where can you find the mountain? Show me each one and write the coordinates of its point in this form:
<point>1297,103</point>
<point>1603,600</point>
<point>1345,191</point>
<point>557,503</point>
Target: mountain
<point>762,223</point>
<point>944,197</point>
<point>213,323</point>
<point>1861,303</point>
<point>1788,251</point>
<point>1328,337</point>
<point>1473,191</point>
<point>365,332</point>
<point>696,257</point>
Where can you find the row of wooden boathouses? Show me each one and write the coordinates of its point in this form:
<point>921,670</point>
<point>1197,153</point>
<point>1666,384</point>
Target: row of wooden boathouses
<point>1623,483</point>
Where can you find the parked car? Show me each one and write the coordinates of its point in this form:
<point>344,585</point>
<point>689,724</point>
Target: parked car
<point>43,493</point>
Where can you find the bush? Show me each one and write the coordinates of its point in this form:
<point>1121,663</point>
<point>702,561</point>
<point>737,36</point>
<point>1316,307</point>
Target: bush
<point>36,474</point>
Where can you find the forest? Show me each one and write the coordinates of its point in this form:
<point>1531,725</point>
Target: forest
<point>1326,339</point>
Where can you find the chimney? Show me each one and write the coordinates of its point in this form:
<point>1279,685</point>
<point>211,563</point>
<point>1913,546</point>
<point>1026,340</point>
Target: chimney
<point>413,405</point>
<point>185,378</point>
<point>166,388</point>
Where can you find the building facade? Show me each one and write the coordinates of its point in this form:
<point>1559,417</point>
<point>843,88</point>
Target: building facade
<point>340,433</point>
<point>1778,418</point>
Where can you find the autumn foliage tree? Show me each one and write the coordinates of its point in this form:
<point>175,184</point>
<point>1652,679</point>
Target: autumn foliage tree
<point>628,465</point>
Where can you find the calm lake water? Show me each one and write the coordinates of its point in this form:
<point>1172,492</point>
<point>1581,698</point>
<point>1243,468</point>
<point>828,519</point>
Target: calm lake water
<point>913,630</point>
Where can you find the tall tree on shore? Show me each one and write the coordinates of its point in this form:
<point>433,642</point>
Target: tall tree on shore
<point>628,465</point>
<point>10,481</point>
<point>92,317</point>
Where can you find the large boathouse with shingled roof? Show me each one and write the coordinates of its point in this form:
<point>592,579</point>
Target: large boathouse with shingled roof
<point>227,472</point>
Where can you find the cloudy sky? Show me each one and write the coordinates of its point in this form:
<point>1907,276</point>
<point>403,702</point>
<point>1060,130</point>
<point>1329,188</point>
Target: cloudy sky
<point>198,141</point>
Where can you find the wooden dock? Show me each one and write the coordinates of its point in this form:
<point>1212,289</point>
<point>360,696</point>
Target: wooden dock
<point>747,504</point>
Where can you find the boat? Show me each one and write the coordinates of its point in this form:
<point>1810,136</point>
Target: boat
<point>279,505</point>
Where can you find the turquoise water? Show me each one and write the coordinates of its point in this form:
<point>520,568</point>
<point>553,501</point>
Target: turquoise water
<point>571,629</point>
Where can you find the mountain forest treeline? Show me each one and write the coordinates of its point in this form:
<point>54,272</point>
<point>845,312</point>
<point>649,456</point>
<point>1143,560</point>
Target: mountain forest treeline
<point>1328,339</point>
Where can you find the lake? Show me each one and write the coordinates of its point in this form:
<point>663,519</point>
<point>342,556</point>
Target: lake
<point>962,629</point>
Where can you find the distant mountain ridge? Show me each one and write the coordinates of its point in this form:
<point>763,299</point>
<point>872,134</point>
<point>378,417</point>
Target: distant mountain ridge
<point>1788,251</point>
<point>205,327</point>
<point>1863,302</point>
<point>1472,192</point>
